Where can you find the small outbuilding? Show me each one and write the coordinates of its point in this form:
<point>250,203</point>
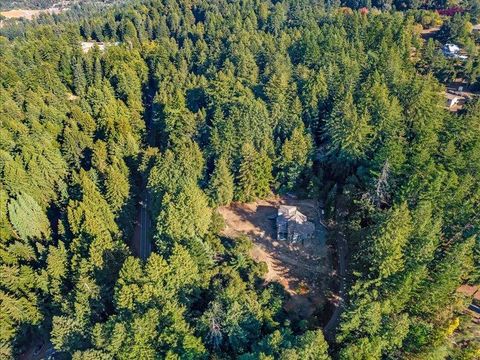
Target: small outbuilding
<point>292,225</point>
<point>454,101</point>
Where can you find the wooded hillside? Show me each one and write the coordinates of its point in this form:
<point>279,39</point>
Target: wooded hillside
<point>208,102</point>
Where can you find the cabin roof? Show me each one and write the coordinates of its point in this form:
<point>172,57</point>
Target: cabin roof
<point>288,213</point>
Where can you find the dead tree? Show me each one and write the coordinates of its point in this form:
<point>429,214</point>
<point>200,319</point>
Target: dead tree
<point>380,195</point>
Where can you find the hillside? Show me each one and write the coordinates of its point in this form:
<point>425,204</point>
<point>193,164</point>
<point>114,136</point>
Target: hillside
<point>127,135</point>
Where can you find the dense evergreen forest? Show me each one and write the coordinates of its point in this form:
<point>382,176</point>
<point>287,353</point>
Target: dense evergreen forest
<point>208,102</point>
<point>26,4</point>
<point>45,4</point>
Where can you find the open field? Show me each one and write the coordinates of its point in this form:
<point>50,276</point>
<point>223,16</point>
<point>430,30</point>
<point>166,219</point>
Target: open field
<point>303,269</point>
<point>28,14</point>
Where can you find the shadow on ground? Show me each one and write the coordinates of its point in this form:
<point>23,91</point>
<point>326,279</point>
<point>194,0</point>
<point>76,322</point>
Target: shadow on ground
<point>301,268</point>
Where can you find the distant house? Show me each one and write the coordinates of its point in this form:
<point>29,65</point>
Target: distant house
<point>476,298</point>
<point>292,225</point>
<point>467,290</point>
<point>472,293</point>
<point>453,51</point>
<point>452,100</point>
<point>89,45</point>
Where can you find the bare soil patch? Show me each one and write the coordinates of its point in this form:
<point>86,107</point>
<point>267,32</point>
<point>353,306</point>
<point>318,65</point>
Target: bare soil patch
<point>430,33</point>
<point>28,14</point>
<point>303,269</point>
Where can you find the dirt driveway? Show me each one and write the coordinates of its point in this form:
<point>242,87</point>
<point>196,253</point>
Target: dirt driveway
<point>301,268</point>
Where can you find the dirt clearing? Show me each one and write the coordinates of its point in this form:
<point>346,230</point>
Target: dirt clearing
<point>301,268</point>
<point>28,14</point>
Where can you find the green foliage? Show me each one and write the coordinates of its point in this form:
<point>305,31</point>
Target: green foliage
<point>294,160</point>
<point>457,29</point>
<point>6,230</point>
<point>28,218</point>
<point>184,215</point>
<point>152,320</point>
<point>311,346</point>
<point>221,185</point>
<point>388,243</point>
<point>207,102</point>
<point>254,174</point>
<point>174,168</point>
<point>117,186</point>
<point>349,129</point>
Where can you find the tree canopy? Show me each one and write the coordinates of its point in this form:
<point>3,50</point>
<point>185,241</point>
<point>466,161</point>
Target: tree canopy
<point>194,104</point>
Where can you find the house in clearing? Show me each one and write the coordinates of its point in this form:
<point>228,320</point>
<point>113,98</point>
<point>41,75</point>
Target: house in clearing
<point>89,45</point>
<point>292,225</point>
<point>454,52</point>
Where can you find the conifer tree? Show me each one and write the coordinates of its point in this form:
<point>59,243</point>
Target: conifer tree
<point>254,175</point>
<point>243,90</point>
<point>117,187</point>
<point>221,185</point>
<point>79,78</point>
<point>348,130</point>
<point>184,214</point>
<point>28,218</point>
<point>294,159</point>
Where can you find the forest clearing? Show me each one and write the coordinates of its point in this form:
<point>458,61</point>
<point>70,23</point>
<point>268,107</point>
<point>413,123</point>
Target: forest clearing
<point>303,269</point>
<point>28,14</point>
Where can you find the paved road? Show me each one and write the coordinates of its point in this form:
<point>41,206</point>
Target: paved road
<point>331,327</point>
<point>145,245</point>
<point>38,350</point>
